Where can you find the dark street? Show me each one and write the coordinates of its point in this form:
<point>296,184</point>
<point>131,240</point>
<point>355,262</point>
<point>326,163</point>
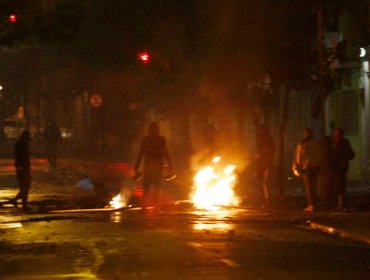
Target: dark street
<point>62,239</point>
<point>130,244</point>
<point>54,241</point>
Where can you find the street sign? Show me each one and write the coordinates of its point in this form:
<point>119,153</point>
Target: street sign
<point>96,100</point>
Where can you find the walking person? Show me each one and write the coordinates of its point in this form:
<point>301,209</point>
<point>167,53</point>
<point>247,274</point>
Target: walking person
<point>23,169</point>
<point>154,152</point>
<point>265,151</point>
<point>342,154</point>
<point>306,164</point>
<point>52,138</point>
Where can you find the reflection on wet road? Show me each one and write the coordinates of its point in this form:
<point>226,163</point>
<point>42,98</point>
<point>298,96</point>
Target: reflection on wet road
<point>135,244</point>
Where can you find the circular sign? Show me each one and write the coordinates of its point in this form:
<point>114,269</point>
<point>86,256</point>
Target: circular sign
<point>96,100</point>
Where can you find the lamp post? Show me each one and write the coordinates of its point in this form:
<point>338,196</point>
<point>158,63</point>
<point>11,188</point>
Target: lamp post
<point>2,106</point>
<point>2,133</point>
<point>321,67</point>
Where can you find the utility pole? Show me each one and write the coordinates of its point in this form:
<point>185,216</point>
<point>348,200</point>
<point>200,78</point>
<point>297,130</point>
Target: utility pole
<point>281,142</point>
<point>320,40</point>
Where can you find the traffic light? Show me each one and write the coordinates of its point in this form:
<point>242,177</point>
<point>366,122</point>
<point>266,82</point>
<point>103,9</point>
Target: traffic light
<point>144,57</point>
<point>12,18</point>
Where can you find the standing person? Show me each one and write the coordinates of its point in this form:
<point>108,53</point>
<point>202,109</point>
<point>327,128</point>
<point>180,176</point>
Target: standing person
<point>2,133</point>
<point>342,154</point>
<point>154,152</point>
<point>52,138</point>
<point>306,164</point>
<point>265,150</point>
<point>23,169</point>
<point>325,178</point>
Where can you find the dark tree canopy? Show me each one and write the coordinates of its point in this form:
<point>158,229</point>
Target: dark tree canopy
<point>274,37</point>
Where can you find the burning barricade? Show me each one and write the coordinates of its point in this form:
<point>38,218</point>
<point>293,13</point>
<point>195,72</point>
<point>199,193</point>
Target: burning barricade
<point>214,186</point>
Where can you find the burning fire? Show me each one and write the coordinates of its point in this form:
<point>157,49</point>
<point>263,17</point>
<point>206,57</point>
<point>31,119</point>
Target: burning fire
<point>214,186</point>
<point>117,202</point>
<point>121,199</point>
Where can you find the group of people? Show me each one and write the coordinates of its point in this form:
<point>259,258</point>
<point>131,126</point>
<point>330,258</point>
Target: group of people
<point>153,153</point>
<point>323,167</point>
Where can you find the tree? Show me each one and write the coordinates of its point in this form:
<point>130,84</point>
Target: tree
<point>34,45</point>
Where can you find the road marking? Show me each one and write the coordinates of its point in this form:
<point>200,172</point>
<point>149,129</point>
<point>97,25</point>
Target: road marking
<point>230,263</point>
<point>98,260</point>
<point>10,225</point>
<point>227,262</point>
<point>195,245</point>
<point>65,276</point>
<point>340,233</point>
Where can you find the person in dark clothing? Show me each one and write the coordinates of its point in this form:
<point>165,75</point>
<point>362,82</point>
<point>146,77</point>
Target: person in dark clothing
<point>306,164</point>
<point>342,154</point>
<point>52,138</point>
<point>325,178</point>
<point>154,153</point>
<point>265,150</point>
<point>23,169</point>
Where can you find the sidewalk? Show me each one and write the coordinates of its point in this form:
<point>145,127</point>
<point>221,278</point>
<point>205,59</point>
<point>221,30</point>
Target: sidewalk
<point>354,227</point>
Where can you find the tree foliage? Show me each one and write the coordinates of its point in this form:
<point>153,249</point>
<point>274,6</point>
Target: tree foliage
<point>235,42</point>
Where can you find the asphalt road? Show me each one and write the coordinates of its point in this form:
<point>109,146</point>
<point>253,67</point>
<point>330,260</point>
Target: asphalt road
<point>176,244</point>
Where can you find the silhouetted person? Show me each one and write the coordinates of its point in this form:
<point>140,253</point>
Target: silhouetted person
<point>306,164</point>
<point>154,153</point>
<point>23,169</point>
<point>2,133</point>
<point>325,178</point>
<point>342,154</point>
<point>52,138</point>
<point>265,150</point>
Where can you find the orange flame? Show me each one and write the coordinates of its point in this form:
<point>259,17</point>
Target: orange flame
<point>214,186</point>
<point>121,200</point>
<point>117,202</point>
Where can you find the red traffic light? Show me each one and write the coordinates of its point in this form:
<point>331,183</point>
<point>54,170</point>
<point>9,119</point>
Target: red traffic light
<point>13,18</point>
<point>144,57</point>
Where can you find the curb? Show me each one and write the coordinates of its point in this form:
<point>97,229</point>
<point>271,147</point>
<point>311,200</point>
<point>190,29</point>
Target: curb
<point>340,233</point>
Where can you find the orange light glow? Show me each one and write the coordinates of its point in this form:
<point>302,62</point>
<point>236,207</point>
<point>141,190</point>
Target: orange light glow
<point>213,226</point>
<point>117,202</point>
<point>121,200</point>
<point>214,186</point>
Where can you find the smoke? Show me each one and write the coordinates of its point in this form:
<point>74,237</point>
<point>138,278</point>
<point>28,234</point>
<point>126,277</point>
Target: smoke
<point>235,49</point>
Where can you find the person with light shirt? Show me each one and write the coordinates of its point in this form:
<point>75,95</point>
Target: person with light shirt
<point>306,164</point>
